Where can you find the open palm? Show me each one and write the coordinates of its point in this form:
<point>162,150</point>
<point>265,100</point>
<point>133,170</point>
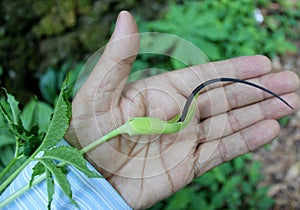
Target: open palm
<point>230,119</point>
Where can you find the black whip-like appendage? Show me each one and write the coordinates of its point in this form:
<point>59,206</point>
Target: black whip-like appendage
<point>223,79</point>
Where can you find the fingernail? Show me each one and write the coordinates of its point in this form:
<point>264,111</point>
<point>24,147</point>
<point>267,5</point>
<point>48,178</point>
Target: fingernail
<point>119,19</point>
<point>120,29</point>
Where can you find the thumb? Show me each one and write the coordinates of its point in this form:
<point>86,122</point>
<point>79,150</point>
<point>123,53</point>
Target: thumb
<point>107,80</point>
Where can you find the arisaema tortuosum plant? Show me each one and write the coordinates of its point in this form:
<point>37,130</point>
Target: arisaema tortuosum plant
<point>150,125</point>
<point>134,126</point>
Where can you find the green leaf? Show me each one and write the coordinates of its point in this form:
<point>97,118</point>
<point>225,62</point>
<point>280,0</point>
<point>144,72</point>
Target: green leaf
<point>158,43</point>
<point>60,177</point>
<point>60,120</point>
<point>181,199</point>
<point>238,163</point>
<point>205,180</point>
<point>20,132</point>
<point>247,188</point>
<point>284,121</point>
<point>7,142</point>
<point>210,49</point>
<point>188,53</point>
<point>219,175</point>
<point>36,113</point>
<point>38,169</point>
<point>48,85</point>
<point>213,32</point>
<point>50,187</point>
<point>29,140</point>
<point>72,156</point>
<point>29,115</point>
<point>13,112</point>
<point>4,110</point>
<point>34,142</point>
<point>45,113</point>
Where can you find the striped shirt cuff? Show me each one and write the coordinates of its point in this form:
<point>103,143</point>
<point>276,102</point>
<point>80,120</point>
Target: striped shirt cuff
<point>89,193</point>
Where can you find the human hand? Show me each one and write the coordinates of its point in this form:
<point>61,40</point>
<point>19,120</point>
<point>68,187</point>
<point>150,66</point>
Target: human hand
<point>231,120</point>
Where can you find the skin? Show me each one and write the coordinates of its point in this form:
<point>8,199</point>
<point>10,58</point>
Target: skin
<point>229,121</point>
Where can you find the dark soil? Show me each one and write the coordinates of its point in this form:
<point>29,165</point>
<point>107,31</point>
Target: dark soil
<point>281,159</point>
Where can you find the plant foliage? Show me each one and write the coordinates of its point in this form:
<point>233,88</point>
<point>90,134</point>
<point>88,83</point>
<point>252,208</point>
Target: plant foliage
<point>225,29</point>
<point>30,143</point>
<point>35,35</point>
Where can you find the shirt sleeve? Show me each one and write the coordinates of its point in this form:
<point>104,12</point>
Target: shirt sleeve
<point>89,193</point>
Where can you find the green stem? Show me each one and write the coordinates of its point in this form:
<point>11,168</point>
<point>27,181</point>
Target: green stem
<point>14,175</point>
<point>43,176</point>
<point>17,148</point>
<point>100,141</point>
<point>9,166</point>
<point>22,190</point>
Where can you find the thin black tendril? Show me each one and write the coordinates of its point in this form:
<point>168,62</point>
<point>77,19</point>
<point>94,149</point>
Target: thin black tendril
<point>222,79</point>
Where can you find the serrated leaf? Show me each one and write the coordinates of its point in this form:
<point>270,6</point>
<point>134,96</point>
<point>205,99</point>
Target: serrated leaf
<point>50,188</point>
<point>29,140</point>
<point>60,120</point>
<point>20,132</point>
<point>72,156</point>
<point>14,111</point>
<point>5,113</point>
<point>38,169</point>
<point>60,177</point>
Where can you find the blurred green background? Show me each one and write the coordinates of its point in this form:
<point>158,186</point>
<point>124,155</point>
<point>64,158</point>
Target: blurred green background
<point>41,41</point>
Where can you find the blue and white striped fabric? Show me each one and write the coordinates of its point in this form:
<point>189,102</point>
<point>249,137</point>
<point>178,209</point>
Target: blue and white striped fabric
<point>89,193</point>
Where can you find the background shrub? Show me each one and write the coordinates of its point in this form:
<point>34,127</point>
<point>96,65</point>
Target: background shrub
<point>35,35</point>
